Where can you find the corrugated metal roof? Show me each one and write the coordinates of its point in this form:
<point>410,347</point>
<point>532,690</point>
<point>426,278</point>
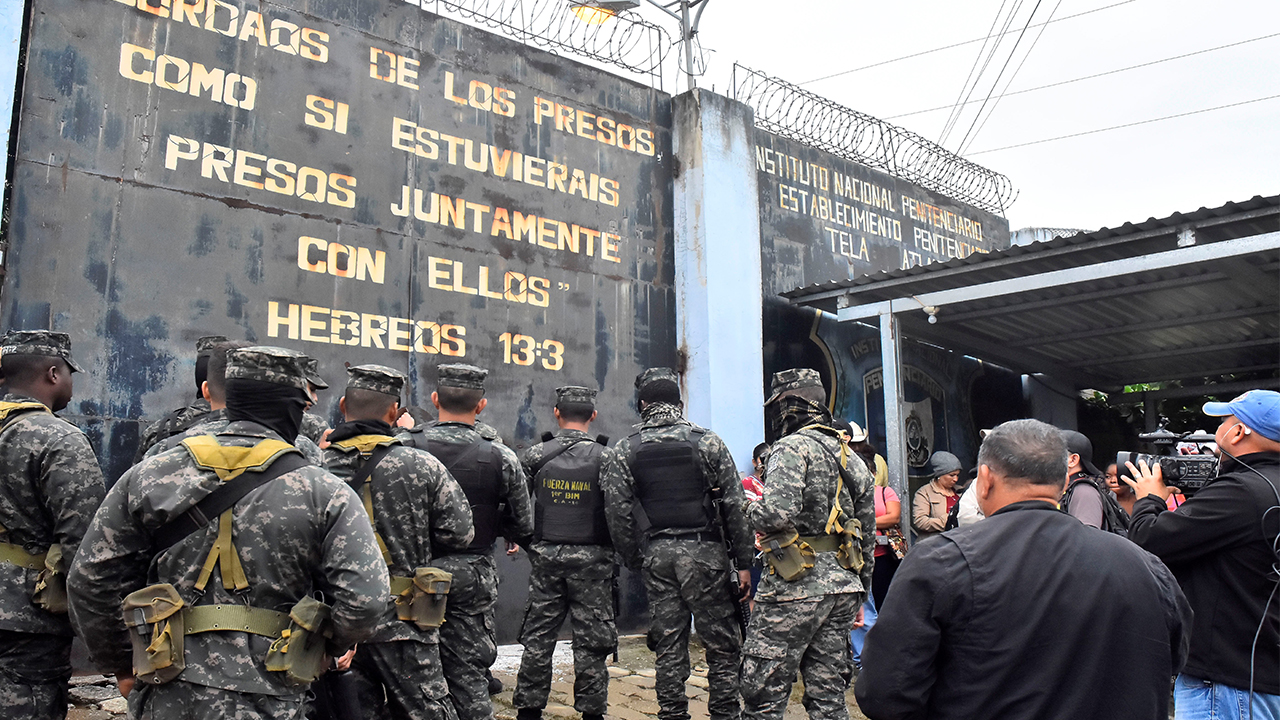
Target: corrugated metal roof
<point>1194,320</point>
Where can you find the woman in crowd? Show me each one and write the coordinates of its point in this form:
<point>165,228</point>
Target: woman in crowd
<point>934,501</point>
<point>1122,491</point>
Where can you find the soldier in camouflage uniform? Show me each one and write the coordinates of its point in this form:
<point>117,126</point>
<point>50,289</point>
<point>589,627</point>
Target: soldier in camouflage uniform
<point>300,534</point>
<point>572,558</point>
<point>186,417</point>
<point>494,483</point>
<point>419,512</point>
<point>804,624</point>
<point>215,388</point>
<point>313,426</point>
<point>686,569</point>
<point>50,486</point>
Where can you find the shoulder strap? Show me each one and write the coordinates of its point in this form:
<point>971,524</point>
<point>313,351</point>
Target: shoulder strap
<point>554,453</point>
<point>367,467</point>
<point>223,498</point>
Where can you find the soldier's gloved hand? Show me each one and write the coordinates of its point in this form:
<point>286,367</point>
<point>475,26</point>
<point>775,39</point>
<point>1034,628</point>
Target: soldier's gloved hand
<point>125,682</point>
<point>744,584</point>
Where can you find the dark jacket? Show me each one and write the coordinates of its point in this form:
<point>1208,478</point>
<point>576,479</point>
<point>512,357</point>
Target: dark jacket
<point>1027,614</point>
<point>1217,547</point>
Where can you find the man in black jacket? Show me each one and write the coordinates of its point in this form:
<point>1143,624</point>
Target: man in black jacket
<point>1027,614</point>
<point>1221,545</point>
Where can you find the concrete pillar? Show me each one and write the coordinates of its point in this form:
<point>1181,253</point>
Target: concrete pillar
<point>717,253</point>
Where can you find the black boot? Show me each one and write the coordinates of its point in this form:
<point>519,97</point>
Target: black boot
<point>529,714</point>
<point>592,716</point>
<point>495,685</point>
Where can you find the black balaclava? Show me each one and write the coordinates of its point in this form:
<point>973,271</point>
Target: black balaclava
<point>353,428</point>
<point>202,374</point>
<point>791,413</point>
<point>278,407</point>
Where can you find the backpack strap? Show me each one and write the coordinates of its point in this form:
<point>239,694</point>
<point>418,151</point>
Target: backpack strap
<point>360,483</point>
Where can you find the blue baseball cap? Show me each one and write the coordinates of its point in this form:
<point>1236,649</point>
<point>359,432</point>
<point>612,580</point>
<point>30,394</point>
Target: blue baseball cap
<point>1259,410</point>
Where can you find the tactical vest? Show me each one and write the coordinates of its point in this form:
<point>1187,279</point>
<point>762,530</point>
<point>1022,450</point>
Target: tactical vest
<point>670,483</point>
<point>10,553</point>
<point>477,467</point>
<point>568,501</point>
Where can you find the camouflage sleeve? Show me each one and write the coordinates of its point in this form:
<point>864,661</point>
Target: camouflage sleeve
<point>783,489</point>
<point>863,508</point>
<point>71,483</point>
<point>111,563</point>
<point>310,450</point>
<point>619,498</point>
<point>719,462</point>
<point>354,574</point>
<point>517,524</point>
<point>451,523</point>
<point>528,459</point>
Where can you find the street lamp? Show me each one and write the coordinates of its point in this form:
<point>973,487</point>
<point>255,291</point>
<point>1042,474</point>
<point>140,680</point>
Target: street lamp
<point>598,11</point>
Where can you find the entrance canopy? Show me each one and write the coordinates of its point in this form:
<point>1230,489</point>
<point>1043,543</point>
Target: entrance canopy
<point>1179,298</point>
<point>1187,297</point>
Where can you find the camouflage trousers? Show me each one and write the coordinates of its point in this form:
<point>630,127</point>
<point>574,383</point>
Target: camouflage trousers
<point>683,578</point>
<point>178,700</point>
<point>810,635</point>
<point>34,670</point>
<point>402,680</point>
<point>468,643</point>
<point>588,605</point>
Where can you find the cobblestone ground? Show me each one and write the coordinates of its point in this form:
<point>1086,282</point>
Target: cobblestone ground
<point>631,695</point>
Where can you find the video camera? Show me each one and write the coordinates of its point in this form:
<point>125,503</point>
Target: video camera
<point>1188,473</point>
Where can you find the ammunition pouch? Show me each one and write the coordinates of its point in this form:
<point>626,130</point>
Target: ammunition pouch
<point>156,630</point>
<point>421,599</point>
<point>299,653</point>
<point>849,554</point>
<point>788,556</point>
<point>51,584</point>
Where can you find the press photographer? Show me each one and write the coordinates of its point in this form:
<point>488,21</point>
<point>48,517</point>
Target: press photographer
<point>1222,547</point>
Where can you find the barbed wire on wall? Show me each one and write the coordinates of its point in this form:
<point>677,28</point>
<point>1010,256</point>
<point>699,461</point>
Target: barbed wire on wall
<point>624,39</point>
<point>793,112</point>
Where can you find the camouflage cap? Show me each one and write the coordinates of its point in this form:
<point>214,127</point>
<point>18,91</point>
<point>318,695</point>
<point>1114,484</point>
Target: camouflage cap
<point>39,342</point>
<point>312,368</point>
<point>204,346</point>
<point>268,364</point>
<point>378,378</point>
<point>575,394</point>
<point>462,376</point>
<point>793,379</point>
<point>656,374</point>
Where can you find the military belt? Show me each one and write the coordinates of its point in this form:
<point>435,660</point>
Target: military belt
<point>400,584</point>
<point>239,618</point>
<point>11,554</point>
<point>699,536</point>
<point>822,543</point>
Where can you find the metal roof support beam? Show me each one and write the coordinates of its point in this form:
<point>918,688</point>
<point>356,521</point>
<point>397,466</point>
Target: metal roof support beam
<point>1208,252</point>
<point>1154,325</point>
<point>894,424</point>
<point>1171,230</point>
<point>1155,354</point>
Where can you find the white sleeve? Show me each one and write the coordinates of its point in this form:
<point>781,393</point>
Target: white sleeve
<point>969,512</point>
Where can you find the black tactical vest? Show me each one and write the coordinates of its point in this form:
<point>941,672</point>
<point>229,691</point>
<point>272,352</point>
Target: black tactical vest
<point>670,484</point>
<point>477,467</point>
<point>569,504</point>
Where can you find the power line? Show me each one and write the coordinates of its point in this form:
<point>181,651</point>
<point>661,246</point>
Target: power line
<point>966,91</point>
<point>1126,125</point>
<point>999,75</point>
<point>956,45</point>
<point>1096,75</point>
<point>1009,82</point>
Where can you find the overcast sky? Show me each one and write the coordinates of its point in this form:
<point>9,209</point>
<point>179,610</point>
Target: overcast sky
<point>1088,182</point>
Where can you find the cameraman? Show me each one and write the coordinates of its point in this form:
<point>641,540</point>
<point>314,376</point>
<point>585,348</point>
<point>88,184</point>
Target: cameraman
<point>1221,546</point>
